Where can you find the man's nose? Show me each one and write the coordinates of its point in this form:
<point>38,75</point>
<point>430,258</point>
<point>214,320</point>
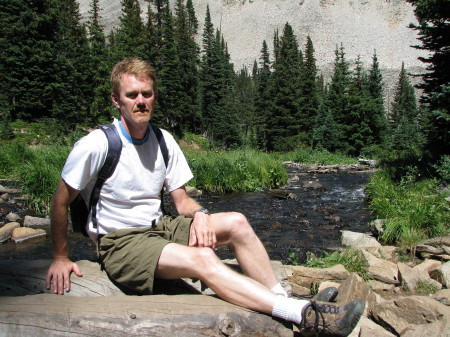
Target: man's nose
<point>140,99</point>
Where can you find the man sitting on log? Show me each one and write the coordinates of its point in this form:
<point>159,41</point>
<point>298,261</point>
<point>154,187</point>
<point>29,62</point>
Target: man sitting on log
<point>138,244</point>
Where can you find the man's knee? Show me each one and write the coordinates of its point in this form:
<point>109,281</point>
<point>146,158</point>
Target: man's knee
<point>206,261</point>
<point>240,227</point>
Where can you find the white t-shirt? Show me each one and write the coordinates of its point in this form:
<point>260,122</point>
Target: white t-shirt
<point>131,196</point>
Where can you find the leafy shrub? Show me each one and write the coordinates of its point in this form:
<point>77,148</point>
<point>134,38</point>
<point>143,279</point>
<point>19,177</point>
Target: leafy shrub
<point>412,212</point>
<point>443,169</point>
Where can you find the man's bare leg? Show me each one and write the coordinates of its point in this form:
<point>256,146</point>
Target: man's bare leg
<point>178,261</point>
<point>234,231</point>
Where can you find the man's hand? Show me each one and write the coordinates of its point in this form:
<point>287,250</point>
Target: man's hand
<point>202,233</point>
<point>58,275</point>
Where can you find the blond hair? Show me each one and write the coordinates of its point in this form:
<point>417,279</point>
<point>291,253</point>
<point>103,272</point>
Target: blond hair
<point>133,66</point>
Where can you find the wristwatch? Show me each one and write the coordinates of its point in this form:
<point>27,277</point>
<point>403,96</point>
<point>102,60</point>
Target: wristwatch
<point>203,210</point>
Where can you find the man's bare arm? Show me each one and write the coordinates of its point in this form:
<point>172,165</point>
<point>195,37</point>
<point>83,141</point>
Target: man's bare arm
<point>202,233</point>
<point>58,275</point>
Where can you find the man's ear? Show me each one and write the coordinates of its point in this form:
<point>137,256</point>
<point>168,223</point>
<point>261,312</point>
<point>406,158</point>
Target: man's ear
<point>115,100</point>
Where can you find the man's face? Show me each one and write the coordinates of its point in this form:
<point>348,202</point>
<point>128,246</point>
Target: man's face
<point>136,99</point>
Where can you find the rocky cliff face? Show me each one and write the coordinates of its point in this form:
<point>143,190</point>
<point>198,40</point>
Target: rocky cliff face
<point>362,26</point>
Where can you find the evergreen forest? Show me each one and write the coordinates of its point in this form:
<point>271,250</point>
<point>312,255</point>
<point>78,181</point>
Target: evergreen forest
<point>55,71</point>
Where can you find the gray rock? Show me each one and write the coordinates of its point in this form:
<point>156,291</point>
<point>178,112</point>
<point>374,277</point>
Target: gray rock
<point>25,233</point>
<point>29,221</point>
<point>306,276</point>
<point>313,185</point>
<point>193,192</point>
<point>379,269</point>
<point>12,217</point>
<point>409,277</point>
<point>408,315</point>
<point>377,227</point>
<point>358,240</point>
<point>6,231</point>
<point>442,274</point>
<point>354,288</point>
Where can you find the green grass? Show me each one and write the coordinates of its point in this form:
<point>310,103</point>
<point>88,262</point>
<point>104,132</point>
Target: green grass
<point>349,258</point>
<point>425,288</point>
<point>412,212</point>
<point>235,171</point>
<point>38,170</point>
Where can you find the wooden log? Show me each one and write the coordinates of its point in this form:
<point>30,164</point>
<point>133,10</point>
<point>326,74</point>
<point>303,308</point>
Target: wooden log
<point>97,307</point>
<point>430,249</point>
<point>154,315</point>
<point>27,277</point>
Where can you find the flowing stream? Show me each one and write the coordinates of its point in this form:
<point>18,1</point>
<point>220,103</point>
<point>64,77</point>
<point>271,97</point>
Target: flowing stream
<point>318,206</point>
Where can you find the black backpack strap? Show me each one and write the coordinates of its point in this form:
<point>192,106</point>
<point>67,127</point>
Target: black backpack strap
<point>162,143</point>
<point>165,154</point>
<point>112,158</point>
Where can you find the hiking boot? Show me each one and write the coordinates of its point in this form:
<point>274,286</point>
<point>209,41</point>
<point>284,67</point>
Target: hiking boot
<point>326,295</point>
<point>331,319</point>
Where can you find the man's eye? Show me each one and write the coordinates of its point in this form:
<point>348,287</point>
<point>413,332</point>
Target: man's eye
<point>131,95</point>
<point>147,94</point>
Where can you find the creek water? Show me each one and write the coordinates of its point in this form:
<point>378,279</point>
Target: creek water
<point>310,222</point>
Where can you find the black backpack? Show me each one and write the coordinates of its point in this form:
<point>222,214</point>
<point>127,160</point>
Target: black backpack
<point>78,210</point>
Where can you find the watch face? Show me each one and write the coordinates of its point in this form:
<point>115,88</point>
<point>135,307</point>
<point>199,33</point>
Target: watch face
<point>203,210</point>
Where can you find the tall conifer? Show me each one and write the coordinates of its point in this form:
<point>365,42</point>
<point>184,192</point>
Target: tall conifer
<point>309,99</point>
<point>337,99</point>
<point>129,35</point>
<point>188,55</point>
<point>284,115</point>
<point>27,45</point>
<point>99,67</point>
<point>434,34</point>
<point>71,88</point>
<point>263,99</point>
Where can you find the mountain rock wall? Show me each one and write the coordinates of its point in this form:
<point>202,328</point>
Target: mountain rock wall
<point>361,26</point>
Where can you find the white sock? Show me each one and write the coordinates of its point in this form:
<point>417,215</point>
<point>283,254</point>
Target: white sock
<point>279,290</point>
<point>289,309</point>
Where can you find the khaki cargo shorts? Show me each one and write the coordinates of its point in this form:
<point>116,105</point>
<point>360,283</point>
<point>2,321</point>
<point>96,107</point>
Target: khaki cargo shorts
<point>130,256</point>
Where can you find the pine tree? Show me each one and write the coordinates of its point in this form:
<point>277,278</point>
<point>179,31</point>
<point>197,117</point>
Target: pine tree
<point>129,36</point>
<point>188,55</point>
<point>26,49</point>
<point>404,105</point>
<point>99,67</point>
<point>309,100</point>
<point>434,32</point>
<point>378,120</point>
<point>324,134</point>
<point>337,98</point>
<point>6,130</point>
<point>71,87</point>
<point>405,140</point>
<point>245,96</point>
<point>284,116</point>
<point>192,18</point>
<point>263,99</point>
<point>169,83</point>
<point>357,128</point>
<point>151,38</point>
